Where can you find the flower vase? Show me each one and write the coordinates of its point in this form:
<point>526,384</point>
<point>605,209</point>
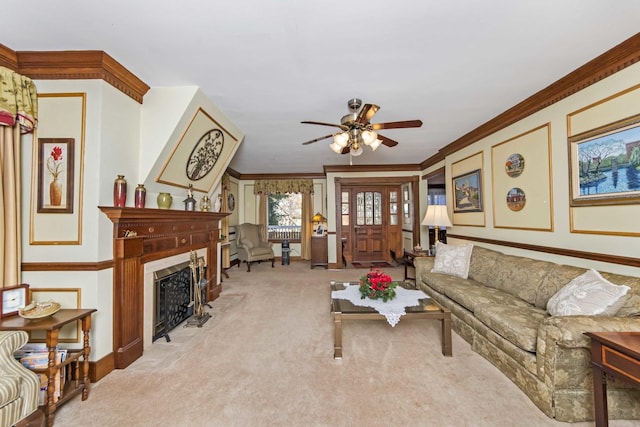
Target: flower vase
<point>119,192</point>
<point>55,192</point>
<point>140,196</point>
<point>164,200</point>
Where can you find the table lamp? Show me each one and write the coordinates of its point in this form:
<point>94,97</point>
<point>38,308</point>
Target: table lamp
<point>437,216</point>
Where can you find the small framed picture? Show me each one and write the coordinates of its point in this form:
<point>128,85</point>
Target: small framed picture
<point>320,230</point>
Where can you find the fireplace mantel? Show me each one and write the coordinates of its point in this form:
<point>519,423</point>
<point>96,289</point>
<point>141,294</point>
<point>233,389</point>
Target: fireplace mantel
<point>144,235</point>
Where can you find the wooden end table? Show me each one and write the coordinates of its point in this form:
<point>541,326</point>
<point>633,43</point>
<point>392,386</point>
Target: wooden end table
<point>408,260</point>
<point>614,354</point>
<point>52,326</point>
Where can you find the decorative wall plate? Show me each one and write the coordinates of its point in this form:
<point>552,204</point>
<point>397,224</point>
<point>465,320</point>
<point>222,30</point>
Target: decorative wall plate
<point>231,201</point>
<point>516,199</point>
<point>514,165</point>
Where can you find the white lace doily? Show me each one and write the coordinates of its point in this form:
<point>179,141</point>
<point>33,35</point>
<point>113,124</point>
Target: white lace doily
<point>392,310</point>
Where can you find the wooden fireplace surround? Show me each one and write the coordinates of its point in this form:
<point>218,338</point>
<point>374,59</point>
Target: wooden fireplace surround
<point>144,235</point>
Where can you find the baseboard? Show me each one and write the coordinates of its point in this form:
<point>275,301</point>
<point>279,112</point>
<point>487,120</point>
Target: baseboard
<point>101,368</point>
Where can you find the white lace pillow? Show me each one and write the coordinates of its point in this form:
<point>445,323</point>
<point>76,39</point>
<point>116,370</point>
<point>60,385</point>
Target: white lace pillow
<point>588,294</point>
<point>452,259</point>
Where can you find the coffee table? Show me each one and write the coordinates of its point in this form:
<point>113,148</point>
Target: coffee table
<point>428,308</point>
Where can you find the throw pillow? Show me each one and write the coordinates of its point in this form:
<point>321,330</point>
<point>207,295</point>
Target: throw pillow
<point>588,294</point>
<point>453,260</point>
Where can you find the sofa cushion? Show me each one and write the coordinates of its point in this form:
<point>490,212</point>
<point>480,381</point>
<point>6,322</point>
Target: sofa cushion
<point>631,307</point>
<point>588,294</point>
<point>518,325</point>
<point>519,276</point>
<point>482,263</point>
<point>469,294</point>
<point>9,389</point>
<point>452,259</point>
<point>438,281</point>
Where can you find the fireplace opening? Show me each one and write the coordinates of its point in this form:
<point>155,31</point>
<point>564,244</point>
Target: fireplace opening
<point>173,297</point>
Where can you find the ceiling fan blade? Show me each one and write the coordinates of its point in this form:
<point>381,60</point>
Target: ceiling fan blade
<point>387,141</point>
<point>365,114</point>
<point>397,125</point>
<point>346,149</point>
<point>317,139</point>
<point>308,122</point>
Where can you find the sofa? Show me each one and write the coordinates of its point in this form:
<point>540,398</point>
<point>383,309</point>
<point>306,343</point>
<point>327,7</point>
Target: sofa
<point>501,310</point>
<point>19,387</point>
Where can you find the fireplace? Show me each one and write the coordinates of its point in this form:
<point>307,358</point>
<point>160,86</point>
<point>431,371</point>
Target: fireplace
<point>173,299</point>
<point>146,240</point>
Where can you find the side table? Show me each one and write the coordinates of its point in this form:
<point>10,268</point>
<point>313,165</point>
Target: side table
<point>408,261</point>
<point>614,354</point>
<point>52,326</point>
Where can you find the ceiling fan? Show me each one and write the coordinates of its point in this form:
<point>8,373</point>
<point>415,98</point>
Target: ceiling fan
<point>357,130</point>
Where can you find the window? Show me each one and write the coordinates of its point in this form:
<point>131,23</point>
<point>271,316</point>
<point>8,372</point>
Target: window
<point>284,216</point>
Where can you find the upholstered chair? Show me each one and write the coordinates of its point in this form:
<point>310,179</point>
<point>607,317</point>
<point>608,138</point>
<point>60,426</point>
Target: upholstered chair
<point>19,387</point>
<point>251,245</point>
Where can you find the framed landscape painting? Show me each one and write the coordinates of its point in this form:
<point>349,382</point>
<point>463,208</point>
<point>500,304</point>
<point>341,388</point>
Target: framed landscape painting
<point>604,164</point>
<point>467,190</point>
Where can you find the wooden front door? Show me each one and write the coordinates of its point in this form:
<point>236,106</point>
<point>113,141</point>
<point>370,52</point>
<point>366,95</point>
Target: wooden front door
<point>369,225</point>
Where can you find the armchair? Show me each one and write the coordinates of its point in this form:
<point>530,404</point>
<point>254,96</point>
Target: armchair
<point>19,387</point>
<point>251,245</point>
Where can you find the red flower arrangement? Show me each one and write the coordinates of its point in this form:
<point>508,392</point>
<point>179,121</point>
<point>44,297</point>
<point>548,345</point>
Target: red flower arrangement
<point>375,284</point>
<point>54,162</point>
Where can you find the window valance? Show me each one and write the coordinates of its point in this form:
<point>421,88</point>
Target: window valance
<point>281,186</point>
<point>18,101</point>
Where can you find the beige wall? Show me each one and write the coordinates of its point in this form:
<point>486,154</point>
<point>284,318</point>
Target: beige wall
<point>607,230</point>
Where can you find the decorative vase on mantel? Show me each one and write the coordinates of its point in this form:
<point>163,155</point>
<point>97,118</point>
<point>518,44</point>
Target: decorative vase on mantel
<point>55,192</point>
<point>164,200</point>
<point>140,196</point>
<point>120,192</point>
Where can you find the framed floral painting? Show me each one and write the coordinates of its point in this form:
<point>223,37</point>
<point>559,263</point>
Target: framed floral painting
<point>55,175</point>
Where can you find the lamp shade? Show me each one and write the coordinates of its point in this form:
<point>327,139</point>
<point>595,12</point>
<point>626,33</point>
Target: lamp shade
<point>437,216</point>
<point>318,218</point>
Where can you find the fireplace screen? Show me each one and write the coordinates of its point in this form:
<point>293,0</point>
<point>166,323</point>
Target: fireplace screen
<point>173,298</point>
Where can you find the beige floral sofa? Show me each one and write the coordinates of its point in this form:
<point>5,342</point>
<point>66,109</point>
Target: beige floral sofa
<point>19,387</point>
<point>501,310</point>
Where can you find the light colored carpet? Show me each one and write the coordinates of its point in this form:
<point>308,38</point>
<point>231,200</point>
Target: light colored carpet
<point>266,359</point>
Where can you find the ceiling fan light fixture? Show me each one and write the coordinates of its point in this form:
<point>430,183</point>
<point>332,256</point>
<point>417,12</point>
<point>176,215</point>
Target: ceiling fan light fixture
<point>369,136</point>
<point>356,150</point>
<point>336,148</point>
<point>375,144</point>
<point>341,139</point>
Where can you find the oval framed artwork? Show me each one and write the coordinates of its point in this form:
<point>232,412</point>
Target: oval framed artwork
<point>514,165</point>
<point>516,199</point>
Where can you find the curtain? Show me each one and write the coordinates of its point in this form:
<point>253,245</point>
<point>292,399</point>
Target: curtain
<point>305,232</point>
<point>18,115</point>
<point>262,213</point>
<point>281,186</point>
<point>224,224</point>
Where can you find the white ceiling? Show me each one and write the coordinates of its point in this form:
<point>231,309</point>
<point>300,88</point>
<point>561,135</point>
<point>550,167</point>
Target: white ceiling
<point>270,64</point>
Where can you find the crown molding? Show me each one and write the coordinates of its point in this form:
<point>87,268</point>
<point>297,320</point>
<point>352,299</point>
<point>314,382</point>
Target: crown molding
<point>302,175</point>
<point>74,65</point>
<point>615,59</point>
<point>372,168</point>
<point>8,58</point>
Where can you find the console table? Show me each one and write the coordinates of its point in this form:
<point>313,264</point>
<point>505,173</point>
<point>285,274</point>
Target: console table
<point>615,354</point>
<point>52,325</point>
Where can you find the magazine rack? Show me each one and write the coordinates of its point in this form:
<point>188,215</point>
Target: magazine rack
<point>76,379</point>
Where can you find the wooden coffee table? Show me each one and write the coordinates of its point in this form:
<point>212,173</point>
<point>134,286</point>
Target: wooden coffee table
<point>428,308</point>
